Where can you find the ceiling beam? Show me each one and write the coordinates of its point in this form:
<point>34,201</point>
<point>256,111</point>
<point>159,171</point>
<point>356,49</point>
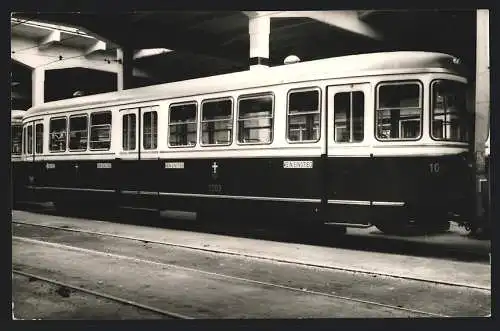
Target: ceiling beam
<point>150,52</point>
<point>347,20</point>
<point>97,46</point>
<point>53,37</point>
<point>362,14</point>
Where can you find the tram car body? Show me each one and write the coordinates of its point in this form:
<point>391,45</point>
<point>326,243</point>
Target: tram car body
<point>16,130</point>
<point>364,139</point>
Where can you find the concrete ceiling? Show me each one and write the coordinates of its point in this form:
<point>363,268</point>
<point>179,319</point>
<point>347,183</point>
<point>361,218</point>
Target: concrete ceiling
<point>214,42</point>
<point>224,34</point>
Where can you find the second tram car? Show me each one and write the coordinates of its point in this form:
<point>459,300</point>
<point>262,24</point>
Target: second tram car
<point>16,129</point>
<point>371,139</point>
<point>16,138</point>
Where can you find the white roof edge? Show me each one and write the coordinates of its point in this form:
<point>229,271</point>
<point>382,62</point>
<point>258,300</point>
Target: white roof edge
<point>343,66</point>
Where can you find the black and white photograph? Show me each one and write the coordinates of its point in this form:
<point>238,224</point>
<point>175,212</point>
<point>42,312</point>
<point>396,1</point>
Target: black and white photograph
<point>249,165</point>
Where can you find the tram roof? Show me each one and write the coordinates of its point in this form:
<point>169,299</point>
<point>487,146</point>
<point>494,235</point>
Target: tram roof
<point>337,67</point>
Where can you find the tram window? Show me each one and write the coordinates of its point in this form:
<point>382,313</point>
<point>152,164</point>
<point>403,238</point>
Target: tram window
<point>39,138</point>
<point>399,111</point>
<point>78,133</point>
<point>129,132</point>
<point>23,144</point>
<point>303,116</point>
<point>29,139</point>
<point>217,122</point>
<point>57,133</point>
<point>255,120</point>
<point>16,139</point>
<point>150,132</point>
<point>182,125</point>
<point>448,111</point>
<point>349,109</point>
<point>100,130</point>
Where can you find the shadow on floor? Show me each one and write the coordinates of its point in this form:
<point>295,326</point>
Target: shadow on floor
<point>281,232</point>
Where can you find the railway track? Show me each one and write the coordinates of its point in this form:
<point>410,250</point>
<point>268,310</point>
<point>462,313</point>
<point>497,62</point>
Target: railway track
<point>358,241</point>
<point>202,273</point>
<point>252,256</point>
<point>100,294</point>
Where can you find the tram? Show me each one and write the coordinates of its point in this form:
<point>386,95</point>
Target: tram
<point>370,139</point>
<point>16,128</point>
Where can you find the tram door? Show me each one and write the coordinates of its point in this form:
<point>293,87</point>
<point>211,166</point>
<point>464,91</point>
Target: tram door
<point>149,166</point>
<point>348,156</point>
<point>26,171</point>
<point>38,165</point>
<point>138,158</point>
<point>127,178</point>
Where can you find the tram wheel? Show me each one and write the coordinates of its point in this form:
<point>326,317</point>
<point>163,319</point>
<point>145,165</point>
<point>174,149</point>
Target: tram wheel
<point>480,232</point>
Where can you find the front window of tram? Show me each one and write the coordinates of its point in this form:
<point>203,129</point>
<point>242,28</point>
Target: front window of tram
<point>448,111</point>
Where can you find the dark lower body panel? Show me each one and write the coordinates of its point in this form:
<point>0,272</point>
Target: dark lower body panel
<point>338,190</point>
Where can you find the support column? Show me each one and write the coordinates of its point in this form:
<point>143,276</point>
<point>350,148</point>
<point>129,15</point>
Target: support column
<point>125,57</point>
<point>259,29</point>
<point>37,86</point>
<point>482,100</point>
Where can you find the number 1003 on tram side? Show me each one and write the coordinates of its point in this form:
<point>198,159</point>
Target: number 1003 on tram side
<point>371,139</point>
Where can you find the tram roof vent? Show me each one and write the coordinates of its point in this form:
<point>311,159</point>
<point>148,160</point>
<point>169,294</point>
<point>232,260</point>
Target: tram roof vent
<point>291,59</point>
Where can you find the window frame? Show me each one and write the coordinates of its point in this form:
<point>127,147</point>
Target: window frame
<point>231,119</point>
<point>351,125</point>
<point>421,108</point>
<point>87,130</point>
<point>152,109</point>
<point>431,112</point>
<point>35,136</point>
<point>50,132</point>
<point>30,125</point>
<point>90,126</point>
<point>320,113</point>
<point>23,143</point>
<point>183,103</point>
<point>135,113</point>
<point>12,140</point>
<point>237,118</point>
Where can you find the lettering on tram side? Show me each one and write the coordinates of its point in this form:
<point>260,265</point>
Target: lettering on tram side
<point>50,166</point>
<point>298,164</point>
<point>174,165</point>
<point>214,188</point>
<point>105,165</point>
<point>434,167</point>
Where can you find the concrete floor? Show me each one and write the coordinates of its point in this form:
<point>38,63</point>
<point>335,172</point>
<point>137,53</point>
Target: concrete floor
<point>190,282</point>
<point>38,300</point>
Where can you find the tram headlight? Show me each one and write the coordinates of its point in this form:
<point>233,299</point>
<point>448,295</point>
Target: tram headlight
<point>456,60</point>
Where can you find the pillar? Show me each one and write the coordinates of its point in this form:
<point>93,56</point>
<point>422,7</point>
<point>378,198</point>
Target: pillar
<point>259,29</point>
<point>125,57</point>
<point>482,98</point>
<point>37,86</point>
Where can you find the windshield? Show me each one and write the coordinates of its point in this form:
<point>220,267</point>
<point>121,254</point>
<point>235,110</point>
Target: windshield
<point>448,111</point>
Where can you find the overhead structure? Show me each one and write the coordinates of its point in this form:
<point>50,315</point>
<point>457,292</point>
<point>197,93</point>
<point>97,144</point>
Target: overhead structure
<point>259,27</point>
<point>42,47</point>
<point>206,43</point>
<point>348,20</point>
